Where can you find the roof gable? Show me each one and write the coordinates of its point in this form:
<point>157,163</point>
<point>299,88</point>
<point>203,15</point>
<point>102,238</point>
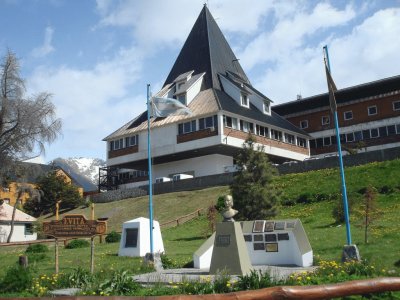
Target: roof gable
<point>6,214</point>
<point>206,50</point>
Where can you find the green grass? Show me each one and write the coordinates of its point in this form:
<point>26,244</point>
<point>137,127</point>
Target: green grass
<point>326,237</point>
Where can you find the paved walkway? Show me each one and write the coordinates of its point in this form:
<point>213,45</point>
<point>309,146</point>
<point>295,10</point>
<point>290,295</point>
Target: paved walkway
<point>170,276</point>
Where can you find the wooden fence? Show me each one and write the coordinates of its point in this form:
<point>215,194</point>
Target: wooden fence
<point>183,219</point>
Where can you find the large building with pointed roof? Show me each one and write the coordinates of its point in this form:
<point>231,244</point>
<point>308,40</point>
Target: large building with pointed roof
<point>208,78</point>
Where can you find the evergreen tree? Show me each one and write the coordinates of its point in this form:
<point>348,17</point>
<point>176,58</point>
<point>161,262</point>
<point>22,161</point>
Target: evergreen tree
<point>54,187</point>
<point>254,194</point>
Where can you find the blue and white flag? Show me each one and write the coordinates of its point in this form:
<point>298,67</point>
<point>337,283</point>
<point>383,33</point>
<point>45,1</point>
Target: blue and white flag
<point>164,107</point>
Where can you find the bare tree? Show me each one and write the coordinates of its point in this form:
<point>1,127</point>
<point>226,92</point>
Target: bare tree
<point>26,123</point>
<point>22,189</point>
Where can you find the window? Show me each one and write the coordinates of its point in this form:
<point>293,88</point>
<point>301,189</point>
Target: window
<point>244,99</point>
<point>6,189</point>
<point>366,134</point>
<point>117,144</point>
<point>382,131</point>
<point>374,133</point>
<point>396,105</point>
<point>261,130</point>
<point>320,142</point>
<point>28,229</point>
<point>358,136</point>
<point>131,140</point>
<point>325,120</point>
<point>348,115</point>
<point>350,137</point>
<point>327,141</point>
<point>398,128</point>
<point>276,135</point>
<point>230,122</point>
<point>208,122</point>
<point>6,200</point>
<point>301,142</point>
<point>266,106</point>
<point>244,126</point>
<point>313,144</point>
<point>289,138</point>
<point>391,130</point>
<point>180,85</point>
<point>187,127</point>
<point>372,110</point>
<point>304,124</point>
<point>182,98</point>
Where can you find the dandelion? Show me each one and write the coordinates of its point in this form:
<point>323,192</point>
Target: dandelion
<point>228,284</point>
<point>308,278</point>
<point>174,286</point>
<point>299,278</point>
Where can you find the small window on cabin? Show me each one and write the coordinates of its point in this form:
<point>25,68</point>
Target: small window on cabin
<point>28,229</point>
<point>304,124</point>
<point>372,110</point>
<point>396,105</point>
<point>182,98</point>
<point>244,99</point>
<point>325,120</point>
<point>266,106</point>
<point>374,133</point>
<point>348,115</point>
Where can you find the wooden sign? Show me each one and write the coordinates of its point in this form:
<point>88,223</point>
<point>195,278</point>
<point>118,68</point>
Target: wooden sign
<point>74,226</point>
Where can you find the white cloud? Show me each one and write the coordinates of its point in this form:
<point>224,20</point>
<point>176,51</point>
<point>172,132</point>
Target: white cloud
<point>92,103</point>
<point>47,47</point>
<point>366,53</point>
<point>291,32</point>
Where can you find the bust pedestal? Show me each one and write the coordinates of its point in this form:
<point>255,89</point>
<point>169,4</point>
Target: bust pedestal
<point>230,253</point>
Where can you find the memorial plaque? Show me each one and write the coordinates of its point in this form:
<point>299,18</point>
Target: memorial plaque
<point>248,238</point>
<point>258,238</point>
<point>258,246</point>
<point>74,226</point>
<point>269,226</point>
<point>271,247</point>
<point>283,236</point>
<point>131,237</point>
<point>258,226</point>
<point>279,225</point>
<point>270,237</point>
<point>223,240</point>
<point>290,225</point>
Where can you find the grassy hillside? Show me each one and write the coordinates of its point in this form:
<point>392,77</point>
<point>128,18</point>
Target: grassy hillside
<point>319,191</point>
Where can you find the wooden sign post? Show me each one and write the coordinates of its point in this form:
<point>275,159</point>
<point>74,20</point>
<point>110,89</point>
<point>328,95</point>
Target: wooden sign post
<point>75,226</point>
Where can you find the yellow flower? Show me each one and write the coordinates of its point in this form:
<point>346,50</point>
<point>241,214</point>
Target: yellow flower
<point>228,284</point>
<point>299,278</point>
<point>308,278</point>
<point>174,286</point>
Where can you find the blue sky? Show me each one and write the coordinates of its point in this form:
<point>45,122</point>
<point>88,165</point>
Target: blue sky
<point>96,57</point>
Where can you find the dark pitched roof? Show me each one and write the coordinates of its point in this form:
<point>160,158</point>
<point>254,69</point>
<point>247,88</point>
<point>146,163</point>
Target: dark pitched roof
<point>206,50</point>
<point>342,96</point>
<point>228,104</point>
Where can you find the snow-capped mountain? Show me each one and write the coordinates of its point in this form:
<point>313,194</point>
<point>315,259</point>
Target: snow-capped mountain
<point>84,170</point>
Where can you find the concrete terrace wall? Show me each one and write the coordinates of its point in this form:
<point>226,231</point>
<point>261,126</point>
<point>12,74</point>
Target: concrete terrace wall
<point>226,178</point>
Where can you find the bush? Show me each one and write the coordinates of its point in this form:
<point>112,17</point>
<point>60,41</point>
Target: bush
<point>37,248</point>
<point>113,237</point>
<point>305,198</point>
<point>17,279</point>
<point>386,190</point>
<point>77,244</point>
<point>220,206</point>
<point>36,257</point>
<point>288,202</point>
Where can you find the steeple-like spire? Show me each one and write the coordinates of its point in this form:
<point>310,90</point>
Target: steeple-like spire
<point>206,50</point>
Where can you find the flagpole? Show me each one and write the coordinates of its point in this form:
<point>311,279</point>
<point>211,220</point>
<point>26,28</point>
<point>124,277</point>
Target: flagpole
<point>150,171</point>
<point>344,190</point>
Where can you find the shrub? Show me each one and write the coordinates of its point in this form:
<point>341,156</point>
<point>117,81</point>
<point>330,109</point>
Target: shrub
<point>37,248</point>
<point>220,206</point>
<point>305,198</point>
<point>77,244</point>
<point>36,257</point>
<point>17,279</point>
<point>79,278</point>
<point>386,190</point>
<point>255,280</point>
<point>288,202</point>
<point>120,283</point>
<point>113,237</point>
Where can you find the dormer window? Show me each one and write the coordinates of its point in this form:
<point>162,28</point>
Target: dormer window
<point>180,85</point>
<point>181,98</point>
<point>244,99</point>
<point>266,107</point>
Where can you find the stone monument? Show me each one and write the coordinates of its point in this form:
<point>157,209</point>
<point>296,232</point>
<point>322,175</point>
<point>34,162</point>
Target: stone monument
<point>230,253</point>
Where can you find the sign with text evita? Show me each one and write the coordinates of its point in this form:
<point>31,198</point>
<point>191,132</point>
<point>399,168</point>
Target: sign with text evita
<point>74,226</point>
